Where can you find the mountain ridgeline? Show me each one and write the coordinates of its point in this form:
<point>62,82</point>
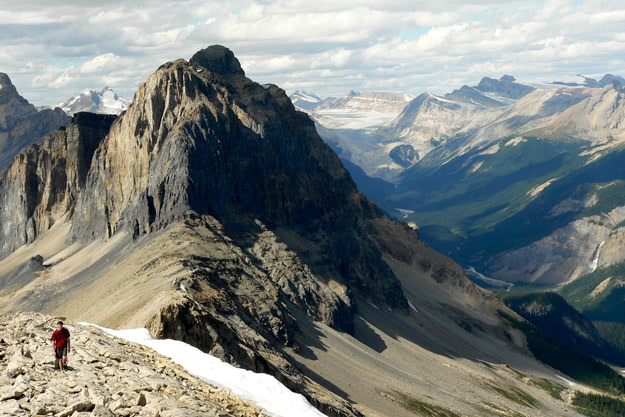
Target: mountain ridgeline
<point>212,212</point>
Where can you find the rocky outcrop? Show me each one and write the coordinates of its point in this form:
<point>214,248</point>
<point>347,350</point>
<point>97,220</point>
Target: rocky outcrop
<point>570,252</point>
<point>106,377</point>
<point>20,123</point>
<point>43,182</point>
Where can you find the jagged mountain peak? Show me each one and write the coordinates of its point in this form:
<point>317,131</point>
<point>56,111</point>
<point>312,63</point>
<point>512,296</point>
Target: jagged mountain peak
<point>226,147</point>
<point>9,94</point>
<point>424,100</point>
<point>5,82</point>
<point>506,86</point>
<point>218,59</point>
<point>473,96</point>
<point>306,93</point>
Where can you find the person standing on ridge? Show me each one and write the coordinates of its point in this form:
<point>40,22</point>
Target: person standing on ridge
<point>60,345</point>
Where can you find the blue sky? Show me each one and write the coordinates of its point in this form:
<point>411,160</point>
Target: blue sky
<point>53,50</point>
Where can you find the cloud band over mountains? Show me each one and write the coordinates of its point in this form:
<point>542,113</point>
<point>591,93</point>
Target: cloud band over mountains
<point>51,50</point>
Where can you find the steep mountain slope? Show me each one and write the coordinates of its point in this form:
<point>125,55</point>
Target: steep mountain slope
<point>551,313</point>
<point>597,116</point>
<point>599,294</point>
<point>429,120</point>
<point>44,181</point>
<point>523,209</point>
<point>213,213</point>
<point>20,123</point>
<point>103,102</point>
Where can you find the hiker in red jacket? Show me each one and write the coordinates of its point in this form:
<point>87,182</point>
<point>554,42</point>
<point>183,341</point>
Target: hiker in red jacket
<point>60,344</point>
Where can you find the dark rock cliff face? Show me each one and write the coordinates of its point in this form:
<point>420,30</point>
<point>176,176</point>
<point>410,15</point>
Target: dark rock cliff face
<point>44,181</point>
<point>20,123</point>
<point>202,137</point>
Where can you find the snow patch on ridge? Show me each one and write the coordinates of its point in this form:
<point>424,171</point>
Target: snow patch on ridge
<point>262,390</point>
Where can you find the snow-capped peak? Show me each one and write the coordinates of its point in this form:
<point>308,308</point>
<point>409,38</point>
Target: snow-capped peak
<point>303,95</point>
<point>305,100</point>
<point>105,101</point>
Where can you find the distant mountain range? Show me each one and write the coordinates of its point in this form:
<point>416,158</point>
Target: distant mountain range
<point>523,182</point>
<point>467,116</point>
<point>583,81</point>
<point>368,101</point>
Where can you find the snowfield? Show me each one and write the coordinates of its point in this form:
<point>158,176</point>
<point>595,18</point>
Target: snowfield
<point>353,120</point>
<point>262,390</point>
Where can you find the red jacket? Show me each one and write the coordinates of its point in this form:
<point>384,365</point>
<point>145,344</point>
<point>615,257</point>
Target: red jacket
<point>60,337</point>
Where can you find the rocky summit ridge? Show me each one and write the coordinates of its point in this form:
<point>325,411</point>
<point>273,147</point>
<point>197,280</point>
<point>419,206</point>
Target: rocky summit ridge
<point>106,377</point>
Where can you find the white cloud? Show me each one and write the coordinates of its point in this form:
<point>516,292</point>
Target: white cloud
<point>52,50</point>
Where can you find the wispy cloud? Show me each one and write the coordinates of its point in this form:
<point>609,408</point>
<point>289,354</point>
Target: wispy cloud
<point>54,50</point>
